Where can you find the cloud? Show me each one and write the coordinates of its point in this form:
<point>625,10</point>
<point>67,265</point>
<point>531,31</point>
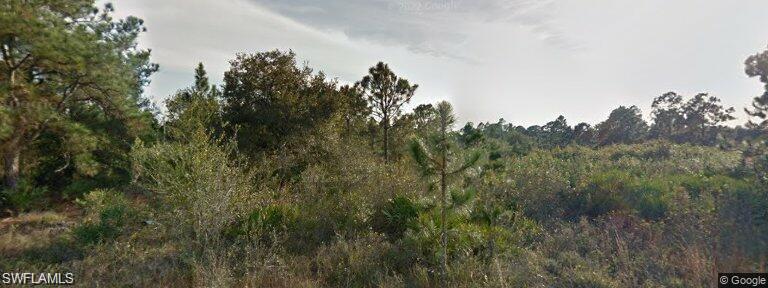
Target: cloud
<point>183,34</point>
<point>525,60</point>
<point>435,27</point>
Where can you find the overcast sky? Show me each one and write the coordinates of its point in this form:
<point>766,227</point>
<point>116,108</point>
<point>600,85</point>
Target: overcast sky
<point>527,61</point>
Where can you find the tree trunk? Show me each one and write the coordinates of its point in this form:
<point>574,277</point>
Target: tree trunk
<point>492,240</point>
<point>12,151</point>
<point>443,235</point>
<point>386,141</point>
<point>443,192</point>
<point>11,167</point>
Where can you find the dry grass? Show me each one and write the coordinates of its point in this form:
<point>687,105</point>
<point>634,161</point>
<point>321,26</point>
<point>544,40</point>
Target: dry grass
<point>37,240</point>
<point>34,218</point>
<point>30,231</point>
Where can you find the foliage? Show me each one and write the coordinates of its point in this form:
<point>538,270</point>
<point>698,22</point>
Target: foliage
<point>693,121</point>
<point>277,181</point>
<point>194,108</point>
<point>439,163</point>
<point>757,65</point>
<point>26,197</point>
<point>107,214</point>
<point>195,186</point>
<point>395,217</point>
<point>386,94</point>
<point>267,98</point>
<point>624,125</point>
<point>71,80</point>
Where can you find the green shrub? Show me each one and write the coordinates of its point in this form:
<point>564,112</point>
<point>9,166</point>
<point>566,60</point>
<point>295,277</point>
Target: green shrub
<point>265,225</point>
<point>25,198</point>
<point>602,193</point>
<point>273,218</point>
<point>107,215</point>
<point>195,188</point>
<point>650,198</point>
<point>397,216</point>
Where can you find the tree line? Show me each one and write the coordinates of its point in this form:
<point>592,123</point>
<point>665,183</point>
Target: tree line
<point>72,81</point>
<point>284,177</point>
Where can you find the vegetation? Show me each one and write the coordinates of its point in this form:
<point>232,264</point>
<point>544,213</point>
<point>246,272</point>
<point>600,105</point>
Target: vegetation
<point>284,178</point>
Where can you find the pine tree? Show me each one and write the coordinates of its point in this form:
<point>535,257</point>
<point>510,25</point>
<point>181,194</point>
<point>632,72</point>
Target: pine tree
<point>386,94</point>
<point>194,108</point>
<point>59,61</point>
<point>201,79</point>
<point>624,125</point>
<point>438,162</point>
<point>757,65</point>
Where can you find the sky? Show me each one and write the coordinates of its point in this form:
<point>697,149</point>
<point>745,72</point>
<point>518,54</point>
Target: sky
<point>526,61</point>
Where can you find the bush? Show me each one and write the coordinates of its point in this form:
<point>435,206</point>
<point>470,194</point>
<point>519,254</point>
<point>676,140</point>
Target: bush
<point>195,187</point>
<point>25,198</point>
<point>196,193</point>
<point>107,214</point>
<point>397,216</point>
<point>363,262</point>
<point>267,225</point>
<point>650,198</point>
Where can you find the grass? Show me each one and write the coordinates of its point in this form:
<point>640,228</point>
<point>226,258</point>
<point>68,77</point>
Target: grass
<point>37,239</point>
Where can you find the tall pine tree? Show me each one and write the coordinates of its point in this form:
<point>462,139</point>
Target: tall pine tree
<point>386,94</point>
<point>436,160</point>
<point>194,108</point>
<point>757,66</point>
<point>63,65</point>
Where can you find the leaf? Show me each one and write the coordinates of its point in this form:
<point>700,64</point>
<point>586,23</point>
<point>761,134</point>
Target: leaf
<point>470,161</point>
<point>422,158</point>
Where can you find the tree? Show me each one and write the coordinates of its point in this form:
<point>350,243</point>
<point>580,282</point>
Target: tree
<point>425,117</point>
<point>692,121</point>
<point>469,135</point>
<point>584,134</point>
<point>353,109</point>
<point>667,116</point>
<point>624,125</point>
<point>268,98</point>
<point>194,108</point>
<point>438,163</point>
<point>517,137</point>
<point>201,80</point>
<point>556,133</point>
<point>64,63</point>
<point>386,93</point>
<point>703,113</point>
<point>757,66</point>
<point>422,121</point>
